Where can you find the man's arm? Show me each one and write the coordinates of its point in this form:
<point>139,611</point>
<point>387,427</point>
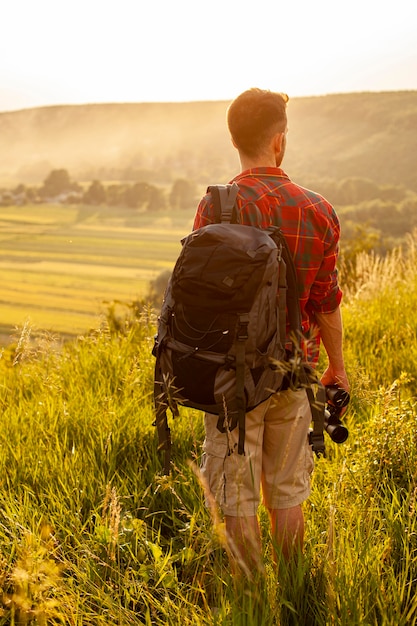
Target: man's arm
<point>331,332</point>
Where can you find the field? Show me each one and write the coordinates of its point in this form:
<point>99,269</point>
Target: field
<point>62,267</point>
<point>91,533</point>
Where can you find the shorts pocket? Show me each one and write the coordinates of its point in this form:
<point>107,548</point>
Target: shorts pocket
<point>216,447</point>
<point>212,470</point>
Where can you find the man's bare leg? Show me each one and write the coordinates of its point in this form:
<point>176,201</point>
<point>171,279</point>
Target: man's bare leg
<point>245,542</point>
<point>287,527</point>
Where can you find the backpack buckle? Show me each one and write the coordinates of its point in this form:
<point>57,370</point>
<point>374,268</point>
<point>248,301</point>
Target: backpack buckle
<point>242,329</point>
<point>316,441</point>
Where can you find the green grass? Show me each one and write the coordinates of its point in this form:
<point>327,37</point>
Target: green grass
<point>91,533</point>
<point>379,317</point>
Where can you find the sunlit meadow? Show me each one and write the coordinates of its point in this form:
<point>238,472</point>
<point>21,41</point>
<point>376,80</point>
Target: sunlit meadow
<point>91,533</point>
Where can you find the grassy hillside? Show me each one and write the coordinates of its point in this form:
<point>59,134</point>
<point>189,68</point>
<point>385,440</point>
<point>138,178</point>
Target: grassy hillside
<point>92,534</point>
<point>365,134</point>
<point>368,135</point>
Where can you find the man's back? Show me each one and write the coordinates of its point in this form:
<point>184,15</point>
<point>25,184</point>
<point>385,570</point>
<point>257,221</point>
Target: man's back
<point>267,197</point>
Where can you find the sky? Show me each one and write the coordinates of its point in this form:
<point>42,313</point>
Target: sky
<point>91,51</point>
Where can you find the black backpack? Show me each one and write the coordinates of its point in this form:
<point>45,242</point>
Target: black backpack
<point>222,339</point>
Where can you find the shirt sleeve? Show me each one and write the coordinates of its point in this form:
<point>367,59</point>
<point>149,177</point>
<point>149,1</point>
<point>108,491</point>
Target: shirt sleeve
<point>325,293</point>
<point>204,214</point>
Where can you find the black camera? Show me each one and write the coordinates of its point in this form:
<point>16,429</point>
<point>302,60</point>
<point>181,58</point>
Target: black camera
<point>337,399</point>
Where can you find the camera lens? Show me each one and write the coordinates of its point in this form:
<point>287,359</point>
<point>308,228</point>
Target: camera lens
<point>337,396</point>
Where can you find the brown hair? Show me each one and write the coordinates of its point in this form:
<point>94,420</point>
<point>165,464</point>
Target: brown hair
<point>255,117</point>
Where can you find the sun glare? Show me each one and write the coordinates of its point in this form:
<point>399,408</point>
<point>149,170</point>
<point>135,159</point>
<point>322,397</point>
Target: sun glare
<point>161,52</point>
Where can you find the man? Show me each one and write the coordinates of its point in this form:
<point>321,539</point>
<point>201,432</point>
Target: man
<point>277,456</point>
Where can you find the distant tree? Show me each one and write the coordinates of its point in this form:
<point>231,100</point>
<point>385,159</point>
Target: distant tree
<point>138,194</point>
<point>74,198</point>
<point>6,198</point>
<point>20,189</point>
<point>116,195</point>
<point>32,194</point>
<point>353,190</point>
<point>393,193</point>
<point>57,182</point>
<point>156,200</point>
<point>409,206</point>
<point>183,194</point>
<point>20,196</point>
<point>95,194</point>
<point>327,187</point>
<point>362,239</point>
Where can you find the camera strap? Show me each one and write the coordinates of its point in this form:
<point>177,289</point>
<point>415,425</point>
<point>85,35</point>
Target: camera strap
<point>316,393</point>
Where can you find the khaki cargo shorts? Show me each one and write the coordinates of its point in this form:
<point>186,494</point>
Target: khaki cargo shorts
<point>277,456</point>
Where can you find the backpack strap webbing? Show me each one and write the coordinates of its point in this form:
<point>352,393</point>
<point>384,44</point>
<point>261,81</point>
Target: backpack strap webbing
<point>242,335</point>
<point>316,393</point>
<point>161,419</point>
<point>317,406</point>
<point>224,198</point>
<point>291,301</point>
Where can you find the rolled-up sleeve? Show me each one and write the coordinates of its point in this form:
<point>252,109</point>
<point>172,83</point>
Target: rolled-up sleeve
<point>325,293</point>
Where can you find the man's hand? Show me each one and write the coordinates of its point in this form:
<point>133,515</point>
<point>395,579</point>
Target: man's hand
<point>335,377</point>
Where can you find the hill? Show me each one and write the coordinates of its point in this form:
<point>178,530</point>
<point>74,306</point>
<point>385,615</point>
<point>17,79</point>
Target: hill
<point>369,135</point>
<point>91,533</point>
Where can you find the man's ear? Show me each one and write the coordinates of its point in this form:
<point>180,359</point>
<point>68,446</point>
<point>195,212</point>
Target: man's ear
<point>278,142</point>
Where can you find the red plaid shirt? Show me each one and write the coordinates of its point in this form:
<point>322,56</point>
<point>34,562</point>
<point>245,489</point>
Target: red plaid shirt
<point>267,197</point>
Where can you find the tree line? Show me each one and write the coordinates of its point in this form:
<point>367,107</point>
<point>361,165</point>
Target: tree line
<point>378,215</point>
<point>59,187</point>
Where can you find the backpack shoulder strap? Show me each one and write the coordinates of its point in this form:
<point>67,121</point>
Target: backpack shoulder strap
<point>224,198</point>
<point>291,284</point>
<point>161,418</point>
